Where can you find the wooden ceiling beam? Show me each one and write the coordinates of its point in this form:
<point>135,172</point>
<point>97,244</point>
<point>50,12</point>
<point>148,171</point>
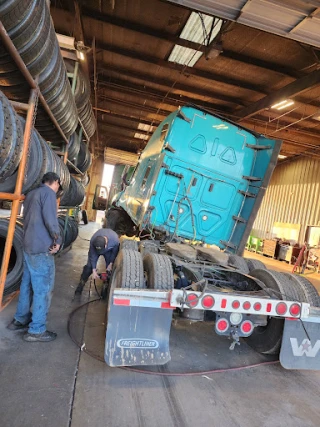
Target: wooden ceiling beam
<point>104,112</point>
<point>159,96</point>
<point>169,84</point>
<point>289,91</point>
<point>179,68</point>
<point>159,112</point>
<point>165,36</point>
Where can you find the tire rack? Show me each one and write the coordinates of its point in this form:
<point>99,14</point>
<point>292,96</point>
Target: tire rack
<point>17,196</point>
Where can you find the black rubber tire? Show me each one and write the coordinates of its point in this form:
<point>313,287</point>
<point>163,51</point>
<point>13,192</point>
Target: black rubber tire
<point>254,264</point>
<point>15,269</point>
<point>131,245</point>
<point>267,339</point>
<point>307,291</point>
<point>158,270</point>
<point>239,263</point>
<point>128,270</point>
<point>148,247</point>
<point>120,222</point>
<point>84,217</point>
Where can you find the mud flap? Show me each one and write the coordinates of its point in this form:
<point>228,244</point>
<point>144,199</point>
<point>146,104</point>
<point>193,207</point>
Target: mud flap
<point>137,336</point>
<point>300,347</point>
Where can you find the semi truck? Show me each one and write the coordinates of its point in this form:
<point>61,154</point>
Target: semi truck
<point>191,202</point>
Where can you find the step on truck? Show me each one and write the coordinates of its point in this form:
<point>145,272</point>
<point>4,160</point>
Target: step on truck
<point>192,201</point>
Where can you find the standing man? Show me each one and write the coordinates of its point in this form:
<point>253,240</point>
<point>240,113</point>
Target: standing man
<point>104,242</point>
<point>41,240</point>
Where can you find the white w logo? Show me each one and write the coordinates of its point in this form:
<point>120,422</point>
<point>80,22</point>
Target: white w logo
<point>304,348</point>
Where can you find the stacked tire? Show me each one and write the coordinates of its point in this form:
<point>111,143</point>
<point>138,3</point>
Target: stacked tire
<point>41,159</point>
<point>74,195</point>
<point>82,100</point>
<point>30,28</point>
<point>71,230</point>
<point>15,269</point>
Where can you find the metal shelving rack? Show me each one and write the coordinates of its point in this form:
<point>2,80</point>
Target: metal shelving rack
<point>17,196</point>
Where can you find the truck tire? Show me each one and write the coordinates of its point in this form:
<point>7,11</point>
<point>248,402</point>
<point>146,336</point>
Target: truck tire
<point>147,247</point>
<point>132,245</point>
<point>267,339</point>
<point>84,217</point>
<point>239,263</point>
<point>307,291</point>
<point>128,270</point>
<point>158,272</point>
<point>254,264</point>
<point>16,262</point>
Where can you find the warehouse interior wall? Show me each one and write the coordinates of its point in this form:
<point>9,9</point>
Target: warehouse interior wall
<point>291,200</point>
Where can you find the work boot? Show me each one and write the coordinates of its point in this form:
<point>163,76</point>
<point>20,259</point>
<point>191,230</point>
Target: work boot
<point>15,325</point>
<point>80,287</point>
<point>45,336</point>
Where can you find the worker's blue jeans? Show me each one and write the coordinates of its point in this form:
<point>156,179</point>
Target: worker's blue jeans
<point>36,290</point>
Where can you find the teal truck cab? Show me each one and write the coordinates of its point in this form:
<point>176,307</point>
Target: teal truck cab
<point>192,201</point>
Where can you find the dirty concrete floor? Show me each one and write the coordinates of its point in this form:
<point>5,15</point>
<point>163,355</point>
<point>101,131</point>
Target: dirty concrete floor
<point>57,385</point>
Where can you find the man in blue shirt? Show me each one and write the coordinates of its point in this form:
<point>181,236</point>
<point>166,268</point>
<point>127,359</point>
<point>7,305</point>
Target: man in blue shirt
<point>104,242</point>
<point>41,240</point>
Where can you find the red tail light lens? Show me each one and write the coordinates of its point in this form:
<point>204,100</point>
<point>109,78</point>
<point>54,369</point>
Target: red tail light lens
<point>247,327</point>
<point>257,306</point>
<point>222,325</point>
<point>281,308</point>
<point>295,310</point>
<point>192,300</point>
<point>235,304</point>
<point>246,305</point>
<point>207,301</point>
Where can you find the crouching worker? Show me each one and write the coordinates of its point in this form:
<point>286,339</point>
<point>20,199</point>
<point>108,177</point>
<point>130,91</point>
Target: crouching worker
<point>104,242</point>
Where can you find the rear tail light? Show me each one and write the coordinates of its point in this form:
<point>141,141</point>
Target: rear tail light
<point>192,300</point>
<point>207,302</point>
<point>246,327</point>
<point>281,308</point>
<point>257,306</point>
<point>235,304</point>
<point>246,305</point>
<point>295,309</point>
<point>222,325</point>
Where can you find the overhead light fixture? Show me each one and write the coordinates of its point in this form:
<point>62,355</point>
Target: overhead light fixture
<point>282,104</point>
<point>282,156</point>
<point>202,29</point>
<point>81,56</point>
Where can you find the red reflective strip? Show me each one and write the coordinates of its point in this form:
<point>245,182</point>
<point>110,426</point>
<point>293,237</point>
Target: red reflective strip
<point>166,305</point>
<point>223,303</point>
<point>117,301</point>
<point>269,307</point>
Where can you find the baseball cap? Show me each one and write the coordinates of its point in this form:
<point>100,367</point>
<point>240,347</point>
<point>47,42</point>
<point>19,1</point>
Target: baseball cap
<point>99,244</point>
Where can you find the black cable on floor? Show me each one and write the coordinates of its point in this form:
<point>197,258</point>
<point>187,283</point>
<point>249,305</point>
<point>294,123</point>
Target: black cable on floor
<point>163,374</point>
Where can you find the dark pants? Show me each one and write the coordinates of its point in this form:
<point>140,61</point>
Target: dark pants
<point>87,269</point>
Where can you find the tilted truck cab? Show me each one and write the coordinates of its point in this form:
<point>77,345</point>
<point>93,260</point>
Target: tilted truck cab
<point>201,178</point>
<point>192,200</point>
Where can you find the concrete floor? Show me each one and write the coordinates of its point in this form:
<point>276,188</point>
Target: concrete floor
<point>56,385</point>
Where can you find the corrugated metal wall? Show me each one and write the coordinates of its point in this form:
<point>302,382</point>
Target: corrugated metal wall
<point>293,196</point>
